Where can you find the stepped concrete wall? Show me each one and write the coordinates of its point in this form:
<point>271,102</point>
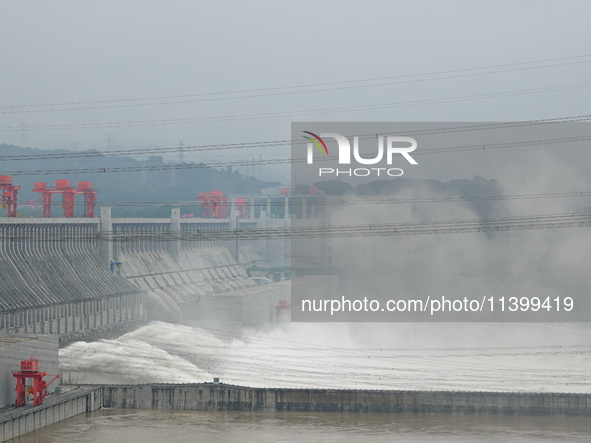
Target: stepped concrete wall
<point>78,277</point>
<point>52,281</point>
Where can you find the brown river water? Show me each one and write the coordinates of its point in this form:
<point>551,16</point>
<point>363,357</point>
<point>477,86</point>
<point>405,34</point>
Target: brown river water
<point>147,426</point>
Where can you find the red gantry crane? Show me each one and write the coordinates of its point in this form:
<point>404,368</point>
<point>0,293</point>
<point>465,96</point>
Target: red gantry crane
<point>68,192</point>
<point>86,189</point>
<point>30,369</point>
<point>9,195</point>
<point>214,204</point>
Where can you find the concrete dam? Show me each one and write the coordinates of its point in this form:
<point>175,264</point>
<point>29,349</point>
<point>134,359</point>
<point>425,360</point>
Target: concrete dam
<point>83,277</point>
<point>71,279</point>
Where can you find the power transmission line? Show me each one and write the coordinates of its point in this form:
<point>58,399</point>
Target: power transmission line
<point>287,142</point>
<point>301,89</point>
<point>532,144</point>
<point>353,200</point>
<point>144,174</point>
<point>502,224</point>
<point>23,128</point>
<point>181,148</point>
<point>316,111</point>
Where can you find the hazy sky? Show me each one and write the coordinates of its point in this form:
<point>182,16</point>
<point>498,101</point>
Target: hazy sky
<point>170,53</point>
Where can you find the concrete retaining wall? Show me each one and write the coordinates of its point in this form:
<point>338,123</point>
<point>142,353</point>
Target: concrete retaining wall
<point>16,422</point>
<point>221,397</point>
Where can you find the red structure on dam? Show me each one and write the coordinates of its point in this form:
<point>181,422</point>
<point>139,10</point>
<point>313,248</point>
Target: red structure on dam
<point>9,195</point>
<point>68,192</point>
<point>214,204</point>
<point>30,369</point>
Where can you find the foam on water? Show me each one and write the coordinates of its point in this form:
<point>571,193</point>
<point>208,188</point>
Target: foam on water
<point>489,357</point>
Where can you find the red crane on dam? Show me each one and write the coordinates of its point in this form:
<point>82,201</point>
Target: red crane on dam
<point>89,193</point>
<point>30,369</point>
<point>9,195</point>
<point>69,193</point>
<point>214,204</point>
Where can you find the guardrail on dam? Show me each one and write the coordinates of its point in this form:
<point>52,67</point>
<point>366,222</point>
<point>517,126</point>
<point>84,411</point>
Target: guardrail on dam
<point>78,277</point>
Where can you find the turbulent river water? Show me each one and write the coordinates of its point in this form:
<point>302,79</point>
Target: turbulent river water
<point>440,356</point>
<point>480,357</point>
